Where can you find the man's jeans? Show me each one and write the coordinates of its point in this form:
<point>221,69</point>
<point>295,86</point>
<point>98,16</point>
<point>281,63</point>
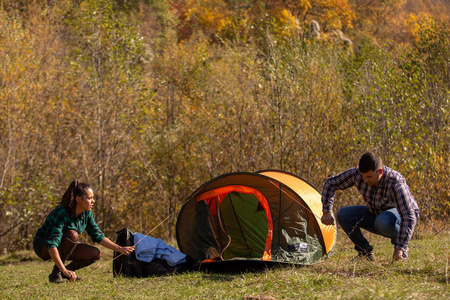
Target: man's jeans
<point>353,218</point>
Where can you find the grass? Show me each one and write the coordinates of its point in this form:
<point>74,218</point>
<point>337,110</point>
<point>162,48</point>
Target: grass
<point>423,276</point>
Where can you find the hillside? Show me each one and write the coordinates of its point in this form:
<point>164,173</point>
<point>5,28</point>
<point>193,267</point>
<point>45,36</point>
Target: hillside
<point>149,99</point>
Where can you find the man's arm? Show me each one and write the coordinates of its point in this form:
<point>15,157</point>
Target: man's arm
<point>341,181</point>
<point>407,207</point>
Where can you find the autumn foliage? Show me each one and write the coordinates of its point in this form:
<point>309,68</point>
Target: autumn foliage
<point>148,99</point>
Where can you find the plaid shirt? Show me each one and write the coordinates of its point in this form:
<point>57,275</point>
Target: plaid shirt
<point>391,192</point>
<point>60,220</point>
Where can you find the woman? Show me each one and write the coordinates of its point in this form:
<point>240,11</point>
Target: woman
<point>57,238</point>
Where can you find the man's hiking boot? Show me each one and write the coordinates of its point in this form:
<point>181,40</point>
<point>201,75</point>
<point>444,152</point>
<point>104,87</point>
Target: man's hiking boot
<point>365,254</point>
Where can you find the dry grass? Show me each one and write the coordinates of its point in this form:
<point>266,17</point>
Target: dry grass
<point>423,276</point>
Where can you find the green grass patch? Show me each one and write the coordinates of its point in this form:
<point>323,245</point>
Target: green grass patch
<point>423,276</point>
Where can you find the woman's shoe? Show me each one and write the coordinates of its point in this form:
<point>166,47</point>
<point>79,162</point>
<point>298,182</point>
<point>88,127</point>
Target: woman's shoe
<point>55,276</point>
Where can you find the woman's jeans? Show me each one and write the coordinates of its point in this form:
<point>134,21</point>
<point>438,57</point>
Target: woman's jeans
<point>353,218</point>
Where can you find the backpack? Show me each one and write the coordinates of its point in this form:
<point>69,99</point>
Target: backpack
<point>130,266</point>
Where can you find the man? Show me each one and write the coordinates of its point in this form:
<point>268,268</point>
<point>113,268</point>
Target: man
<point>390,210</point>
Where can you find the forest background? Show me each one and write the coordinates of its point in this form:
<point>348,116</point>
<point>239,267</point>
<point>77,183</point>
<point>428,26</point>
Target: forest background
<point>148,99</point>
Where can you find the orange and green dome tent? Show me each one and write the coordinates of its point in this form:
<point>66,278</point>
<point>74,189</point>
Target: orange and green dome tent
<point>269,217</point>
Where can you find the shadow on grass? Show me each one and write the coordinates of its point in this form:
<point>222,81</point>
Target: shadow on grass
<point>18,257</point>
<point>427,272</point>
<point>228,270</point>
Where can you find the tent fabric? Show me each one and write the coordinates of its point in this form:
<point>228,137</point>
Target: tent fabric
<point>312,198</point>
<point>271,216</point>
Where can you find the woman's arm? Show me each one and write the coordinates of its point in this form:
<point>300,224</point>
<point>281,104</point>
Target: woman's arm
<point>54,254</point>
<point>113,246</point>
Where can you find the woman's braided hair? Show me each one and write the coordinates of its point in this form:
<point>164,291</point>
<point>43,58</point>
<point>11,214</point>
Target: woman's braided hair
<point>75,189</point>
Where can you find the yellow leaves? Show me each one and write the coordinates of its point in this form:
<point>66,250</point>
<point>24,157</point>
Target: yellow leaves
<point>287,18</point>
<point>415,21</point>
<point>287,24</point>
<point>338,13</point>
<point>213,15</point>
<point>331,14</point>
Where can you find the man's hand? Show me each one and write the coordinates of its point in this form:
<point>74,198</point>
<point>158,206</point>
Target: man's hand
<point>398,255</point>
<point>327,218</point>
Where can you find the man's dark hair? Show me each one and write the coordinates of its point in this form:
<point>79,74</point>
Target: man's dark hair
<point>369,161</point>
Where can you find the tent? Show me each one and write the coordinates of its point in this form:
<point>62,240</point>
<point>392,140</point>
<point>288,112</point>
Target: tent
<point>252,218</point>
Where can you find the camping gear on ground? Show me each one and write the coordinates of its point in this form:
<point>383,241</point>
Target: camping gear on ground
<point>148,248</point>
<point>130,266</point>
<point>242,221</point>
<point>252,219</point>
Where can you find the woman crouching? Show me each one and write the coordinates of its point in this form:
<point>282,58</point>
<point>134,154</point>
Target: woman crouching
<point>57,238</point>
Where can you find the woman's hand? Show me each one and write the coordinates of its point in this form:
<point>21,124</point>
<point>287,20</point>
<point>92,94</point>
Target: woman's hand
<point>54,254</point>
<point>126,250</point>
<point>70,275</point>
<point>113,246</point>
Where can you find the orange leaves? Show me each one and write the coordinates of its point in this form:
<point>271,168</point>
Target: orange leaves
<point>332,14</point>
<point>213,15</point>
<point>227,18</point>
<point>210,16</point>
<point>340,14</point>
<point>419,22</point>
<point>383,21</point>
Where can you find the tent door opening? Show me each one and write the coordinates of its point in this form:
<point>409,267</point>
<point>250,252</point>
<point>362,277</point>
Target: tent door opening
<point>245,221</point>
